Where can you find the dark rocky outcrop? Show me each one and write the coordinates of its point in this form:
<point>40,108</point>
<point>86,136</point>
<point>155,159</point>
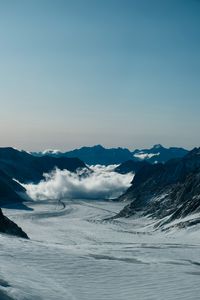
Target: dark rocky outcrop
<point>9,227</point>
<point>166,190</point>
<point>4,296</point>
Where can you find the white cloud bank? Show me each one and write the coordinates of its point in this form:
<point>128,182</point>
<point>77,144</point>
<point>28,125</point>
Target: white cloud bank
<point>102,183</point>
<point>142,155</point>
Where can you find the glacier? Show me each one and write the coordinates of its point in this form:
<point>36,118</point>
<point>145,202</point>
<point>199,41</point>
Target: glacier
<point>74,254</point>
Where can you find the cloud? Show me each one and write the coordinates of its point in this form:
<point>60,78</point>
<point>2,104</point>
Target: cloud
<point>142,155</point>
<point>102,183</point>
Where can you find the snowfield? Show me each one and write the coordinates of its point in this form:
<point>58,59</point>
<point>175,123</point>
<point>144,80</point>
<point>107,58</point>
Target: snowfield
<point>73,254</point>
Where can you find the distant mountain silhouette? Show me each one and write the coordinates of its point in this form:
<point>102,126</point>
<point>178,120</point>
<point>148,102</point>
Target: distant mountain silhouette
<point>28,168</point>
<point>99,155</point>
<point>170,191</point>
<point>95,155</point>
<point>159,154</point>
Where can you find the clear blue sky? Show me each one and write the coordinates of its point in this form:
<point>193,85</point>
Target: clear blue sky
<point>115,72</point>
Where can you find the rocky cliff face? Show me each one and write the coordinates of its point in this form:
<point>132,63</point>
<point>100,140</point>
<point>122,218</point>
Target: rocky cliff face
<point>9,227</point>
<point>170,190</point>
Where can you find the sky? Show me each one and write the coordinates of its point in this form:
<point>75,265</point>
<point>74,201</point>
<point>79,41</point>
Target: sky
<point>112,72</point>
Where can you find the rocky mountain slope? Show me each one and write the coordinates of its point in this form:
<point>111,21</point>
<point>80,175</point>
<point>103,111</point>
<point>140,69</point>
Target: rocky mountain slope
<point>130,166</point>
<point>9,227</point>
<point>169,191</point>
<point>10,190</point>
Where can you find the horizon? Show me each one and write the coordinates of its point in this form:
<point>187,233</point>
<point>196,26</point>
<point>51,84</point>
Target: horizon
<point>131,149</point>
<point>99,72</point>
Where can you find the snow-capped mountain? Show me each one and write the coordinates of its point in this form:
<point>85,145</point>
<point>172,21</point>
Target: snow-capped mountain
<point>170,191</point>
<point>107,156</point>
<point>158,153</point>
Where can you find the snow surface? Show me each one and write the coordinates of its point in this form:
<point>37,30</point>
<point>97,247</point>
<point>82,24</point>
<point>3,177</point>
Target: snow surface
<point>74,254</point>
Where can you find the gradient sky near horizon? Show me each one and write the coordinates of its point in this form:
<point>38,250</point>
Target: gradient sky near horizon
<point>112,72</point>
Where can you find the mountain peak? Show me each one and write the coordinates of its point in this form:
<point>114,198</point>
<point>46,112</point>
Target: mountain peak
<point>157,146</point>
<point>98,146</point>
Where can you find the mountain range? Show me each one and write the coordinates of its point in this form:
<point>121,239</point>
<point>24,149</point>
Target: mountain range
<point>99,155</point>
<point>159,154</point>
<point>167,191</point>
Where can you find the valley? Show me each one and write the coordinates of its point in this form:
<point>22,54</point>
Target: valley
<point>73,254</point>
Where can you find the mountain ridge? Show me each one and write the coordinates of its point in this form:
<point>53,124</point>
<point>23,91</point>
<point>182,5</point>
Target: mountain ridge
<point>98,154</point>
<point>170,190</point>
<point>26,167</point>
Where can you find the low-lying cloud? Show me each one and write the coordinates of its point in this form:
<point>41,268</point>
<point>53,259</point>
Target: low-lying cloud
<point>102,183</point>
